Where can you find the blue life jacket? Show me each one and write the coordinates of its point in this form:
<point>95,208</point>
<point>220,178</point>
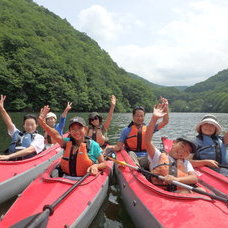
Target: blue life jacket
<point>21,141</point>
<point>215,149</point>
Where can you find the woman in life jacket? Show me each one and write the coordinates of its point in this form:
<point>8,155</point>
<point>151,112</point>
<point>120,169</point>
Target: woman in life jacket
<point>132,137</point>
<point>212,148</point>
<point>173,166</point>
<point>97,129</point>
<point>24,144</point>
<point>80,156</point>
<point>51,120</point>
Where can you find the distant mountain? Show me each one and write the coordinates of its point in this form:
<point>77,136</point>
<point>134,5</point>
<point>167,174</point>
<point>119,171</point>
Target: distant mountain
<point>135,76</point>
<point>214,83</point>
<point>181,88</point>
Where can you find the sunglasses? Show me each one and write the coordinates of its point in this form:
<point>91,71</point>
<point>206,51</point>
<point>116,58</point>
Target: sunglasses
<point>95,118</point>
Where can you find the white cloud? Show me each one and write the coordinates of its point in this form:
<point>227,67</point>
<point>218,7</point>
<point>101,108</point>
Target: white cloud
<point>189,49</point>
<point>99,23</point>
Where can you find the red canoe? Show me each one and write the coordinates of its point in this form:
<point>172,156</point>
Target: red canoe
<point>150,206</point>
<point>78,209</point>
<point>16,175</point>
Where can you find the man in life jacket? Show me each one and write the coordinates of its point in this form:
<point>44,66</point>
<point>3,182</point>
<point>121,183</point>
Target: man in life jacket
<point>133,136</point>
<point>212,148</point>
<point>80,156</point>
<point>24,144</point>
<point>97,129</point>
<point>173,166</point>
<point>51,120</point>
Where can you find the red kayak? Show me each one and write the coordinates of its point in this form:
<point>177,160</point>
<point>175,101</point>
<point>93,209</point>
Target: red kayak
<point>207,176</point>
<point>78,209</point>
<point>151,206</point>
<point>16,175</point>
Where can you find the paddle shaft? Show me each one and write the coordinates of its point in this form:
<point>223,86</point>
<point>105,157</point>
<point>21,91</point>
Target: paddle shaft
<point>177,183</point>
<point>223,166</point>
<point>49,209</point>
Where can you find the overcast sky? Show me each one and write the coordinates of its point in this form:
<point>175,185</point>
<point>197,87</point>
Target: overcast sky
<point>168,42</point>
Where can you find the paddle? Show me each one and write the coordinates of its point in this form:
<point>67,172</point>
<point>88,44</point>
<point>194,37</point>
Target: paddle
<point>40,220</point>
<point>223,166</point>
<point>177,183</point>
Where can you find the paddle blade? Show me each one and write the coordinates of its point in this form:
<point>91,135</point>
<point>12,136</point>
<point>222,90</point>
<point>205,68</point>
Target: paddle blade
<point>35,221</point>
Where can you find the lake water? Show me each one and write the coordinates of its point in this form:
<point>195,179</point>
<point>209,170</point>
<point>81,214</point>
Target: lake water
<point>113,213</point>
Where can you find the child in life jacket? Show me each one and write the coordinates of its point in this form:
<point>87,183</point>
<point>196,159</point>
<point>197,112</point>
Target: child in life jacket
<point>80,156</point>
<point>97,129</point>
<point>172,166</point>
<point>24,144</point>
<point>212,148</point>
<point>51,120</point>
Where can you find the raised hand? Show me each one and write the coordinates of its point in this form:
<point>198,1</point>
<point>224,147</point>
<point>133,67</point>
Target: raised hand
<point>113,100</point>
<point>43,112</point>
<point>159,110</point>
<point>2,101</point>
<point>68,107</point>
<point>164,101</point>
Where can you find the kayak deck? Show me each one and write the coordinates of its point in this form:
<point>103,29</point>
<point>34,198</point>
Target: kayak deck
<point>78,209</point>
<point>16,175</point>
<point>150,205</point>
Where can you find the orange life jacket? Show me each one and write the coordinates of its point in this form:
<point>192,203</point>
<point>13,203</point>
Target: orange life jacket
<point>136,139</point>
<point>75,164</point>
<point>167,167</point>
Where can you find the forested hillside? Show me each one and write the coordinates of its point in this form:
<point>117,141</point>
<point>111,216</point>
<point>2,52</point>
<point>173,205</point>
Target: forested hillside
<point>44,60</point>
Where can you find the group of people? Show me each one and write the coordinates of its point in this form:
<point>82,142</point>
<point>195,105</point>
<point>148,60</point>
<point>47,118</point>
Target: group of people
<point>83,145</point>
<point>81,140</point>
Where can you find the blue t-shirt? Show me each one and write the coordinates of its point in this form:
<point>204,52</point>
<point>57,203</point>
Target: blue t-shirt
<point>60,126</point>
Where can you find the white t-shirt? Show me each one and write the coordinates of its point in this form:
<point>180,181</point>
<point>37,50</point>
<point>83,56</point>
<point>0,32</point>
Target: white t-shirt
<point>155,161</point>
<point>37,143</point>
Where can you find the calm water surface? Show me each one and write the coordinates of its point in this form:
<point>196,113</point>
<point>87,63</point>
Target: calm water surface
<point>112,213</point>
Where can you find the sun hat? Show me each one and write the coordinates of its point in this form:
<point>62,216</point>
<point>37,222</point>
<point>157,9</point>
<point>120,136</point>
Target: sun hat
<point>189,141</point>
<point>51,114</point>
<point>78,120</point>
<point>210,119</point>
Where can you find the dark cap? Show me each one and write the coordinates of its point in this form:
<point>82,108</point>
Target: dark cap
<point>189,141</point>
<point>78,120</point>
<point>93,115</point>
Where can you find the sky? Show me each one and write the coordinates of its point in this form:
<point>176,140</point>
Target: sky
<point>168,42</point>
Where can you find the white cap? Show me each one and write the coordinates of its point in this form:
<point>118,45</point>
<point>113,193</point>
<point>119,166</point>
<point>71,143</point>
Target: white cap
<point>51,114</point>
<point>210,119</point>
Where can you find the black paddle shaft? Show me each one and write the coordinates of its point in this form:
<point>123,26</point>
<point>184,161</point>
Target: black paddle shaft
<point>63,196</point>
<point>40,220</point>
<point>177,183</point>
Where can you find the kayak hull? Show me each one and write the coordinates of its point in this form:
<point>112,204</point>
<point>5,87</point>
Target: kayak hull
<point>77,210</point>
<point>150,206</point>
<point>16,175</point>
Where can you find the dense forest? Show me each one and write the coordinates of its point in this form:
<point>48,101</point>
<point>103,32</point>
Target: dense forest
<point>44,60</point>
